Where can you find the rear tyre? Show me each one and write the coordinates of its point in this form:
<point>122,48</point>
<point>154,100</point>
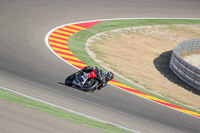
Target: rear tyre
<point>69,80</point>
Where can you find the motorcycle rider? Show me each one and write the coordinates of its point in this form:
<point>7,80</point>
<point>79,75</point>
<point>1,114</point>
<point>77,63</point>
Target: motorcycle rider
<point>106,76</point>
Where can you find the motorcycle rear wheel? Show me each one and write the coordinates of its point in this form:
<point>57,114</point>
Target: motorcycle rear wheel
<point>69,80</point>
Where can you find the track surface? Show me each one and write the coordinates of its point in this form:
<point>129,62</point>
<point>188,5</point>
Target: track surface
<point>29,67</point>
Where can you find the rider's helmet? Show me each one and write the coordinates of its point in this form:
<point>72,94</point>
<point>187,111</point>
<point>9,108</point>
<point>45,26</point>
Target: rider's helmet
<point>109,76</point>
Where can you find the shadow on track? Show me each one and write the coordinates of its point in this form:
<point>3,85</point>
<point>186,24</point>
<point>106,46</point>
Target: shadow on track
<point>74,87</point>
<point>61,83</point>
<point>162,65</point>
<point>70,86</point>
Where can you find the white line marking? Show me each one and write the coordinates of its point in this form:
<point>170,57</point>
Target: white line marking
<point>87,116</point>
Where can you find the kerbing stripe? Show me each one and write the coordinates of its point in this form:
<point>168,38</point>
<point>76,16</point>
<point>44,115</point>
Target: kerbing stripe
<point>121,85</point>
<point>71,32</point>
<point>77,64</point>
<point>60,46</point>
<point>80,67</point>
<point>50,40</point>
<point>77,27</point>
<point>170,105</point>
<point>63,32</point>
<point>69,29</point>
<point>59,35</point>
<point>62,50</point>
<point>60,38</point>
<point>67,56</point>
<point>69,59</point>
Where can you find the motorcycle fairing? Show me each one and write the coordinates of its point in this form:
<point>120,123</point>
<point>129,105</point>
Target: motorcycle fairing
<point>92,74</point>
<point>100,75</point>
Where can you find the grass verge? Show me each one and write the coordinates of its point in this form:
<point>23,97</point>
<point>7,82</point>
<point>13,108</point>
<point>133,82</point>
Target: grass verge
<point>78,40</point>
<point>36,105</point>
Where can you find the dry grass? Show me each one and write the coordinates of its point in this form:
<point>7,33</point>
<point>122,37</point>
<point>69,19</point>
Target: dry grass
<point>142,54</point>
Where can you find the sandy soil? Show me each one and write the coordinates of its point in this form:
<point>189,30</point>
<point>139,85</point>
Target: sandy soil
<point>193,59</point>
<point>142,55</point>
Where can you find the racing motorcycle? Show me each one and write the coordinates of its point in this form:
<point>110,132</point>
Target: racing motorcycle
<point>88,82</point>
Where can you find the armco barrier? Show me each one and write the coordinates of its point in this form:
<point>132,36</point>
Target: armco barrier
<point>184,70</point>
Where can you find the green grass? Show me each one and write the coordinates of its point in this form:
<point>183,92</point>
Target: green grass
<point>77,43</point>
<point>36,105</point>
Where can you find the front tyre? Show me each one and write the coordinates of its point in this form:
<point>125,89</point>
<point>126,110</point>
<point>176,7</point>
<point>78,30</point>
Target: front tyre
<point>91,86</point>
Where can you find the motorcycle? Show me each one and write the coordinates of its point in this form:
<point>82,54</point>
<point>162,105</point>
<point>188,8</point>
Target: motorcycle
<point>88,82</point>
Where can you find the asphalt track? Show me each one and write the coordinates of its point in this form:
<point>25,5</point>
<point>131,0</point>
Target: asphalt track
<point>29,67</point>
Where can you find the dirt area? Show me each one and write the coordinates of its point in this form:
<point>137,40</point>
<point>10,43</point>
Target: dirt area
<point>142,55</point>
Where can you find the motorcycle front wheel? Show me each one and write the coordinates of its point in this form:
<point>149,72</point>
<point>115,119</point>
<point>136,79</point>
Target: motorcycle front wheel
<point>91,85</point>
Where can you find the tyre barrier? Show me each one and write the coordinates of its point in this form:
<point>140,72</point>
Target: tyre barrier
<point>184,70</point>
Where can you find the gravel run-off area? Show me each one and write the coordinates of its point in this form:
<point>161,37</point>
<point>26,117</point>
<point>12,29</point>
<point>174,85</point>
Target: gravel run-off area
<point>142,54</point>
